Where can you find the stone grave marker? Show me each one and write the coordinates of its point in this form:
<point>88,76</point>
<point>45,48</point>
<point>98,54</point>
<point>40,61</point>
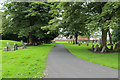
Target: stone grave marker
<point>69,41</point>
<point>103,49</point>
<point>23,44</point>
<point>22,47</point>
<point>5,49</point>
<point>8,47</point>
<point>87,44</point>
<point>13,48</point>
<point>92,47</point>
<point>65,41</point>
<point>96,48</point>
<point>94,41</point>
<point>73,42</point>
<point>79,44</point>
<point>16,47</point>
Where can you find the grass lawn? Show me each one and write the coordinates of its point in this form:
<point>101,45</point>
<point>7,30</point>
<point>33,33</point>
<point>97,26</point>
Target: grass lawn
<point>109,60</point>
<point>25,63</point>
<point>61,41</point>
<point>4,43</point>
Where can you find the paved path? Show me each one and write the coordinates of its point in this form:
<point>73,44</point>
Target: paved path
<point>62,64</point>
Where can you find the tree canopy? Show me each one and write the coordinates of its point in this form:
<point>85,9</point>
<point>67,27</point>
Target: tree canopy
<point>26,19</point>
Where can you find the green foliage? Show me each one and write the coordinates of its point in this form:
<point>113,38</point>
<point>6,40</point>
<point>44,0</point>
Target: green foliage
<point>26,19</point>
<point>25,63</point>
<point>116,35</point>
<point>109,60</point>
<point>1,21</point>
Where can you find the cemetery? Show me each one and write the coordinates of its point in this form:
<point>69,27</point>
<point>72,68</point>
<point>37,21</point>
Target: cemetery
<point>60,40</point>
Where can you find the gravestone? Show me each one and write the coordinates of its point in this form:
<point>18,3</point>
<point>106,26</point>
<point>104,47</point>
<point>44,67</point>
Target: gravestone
<point>96,48</point>
<point>8,47</point>
<point>87,44</point>
<point>13,48</point>
<point>92,47</point>
<point>103,49</point>
<point>23,44</point>
<point>5,49</point>
<point>22,47</point>
<point>79,44</point>
<point>16,47</point>
<point>73,42</point>
<point>68,41</point>
<point>94,41</point>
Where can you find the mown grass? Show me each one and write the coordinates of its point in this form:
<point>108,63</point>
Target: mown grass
<point>4,43</point>
<point>61,42</point>
<point>109,60</point>
<point>25,63</point>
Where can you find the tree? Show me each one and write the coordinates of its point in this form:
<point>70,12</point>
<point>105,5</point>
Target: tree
<point>26,20</point>
<point>73,18</point>
<point>104,17</point>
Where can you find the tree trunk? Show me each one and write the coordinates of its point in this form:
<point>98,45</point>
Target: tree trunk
<point>110,40</point>
<point>104,38</point>
<point>118,47</point>
<point>76,38</point>
<point>30,38</point>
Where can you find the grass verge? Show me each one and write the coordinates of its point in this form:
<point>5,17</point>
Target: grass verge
<point>25,63</point>
<point>109,60</point>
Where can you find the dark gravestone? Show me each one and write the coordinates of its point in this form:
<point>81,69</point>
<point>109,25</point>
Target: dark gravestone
<point>23,44</point>
<point>16,47</point>
<point>73,42</point>
<point>8,47</point>
<point>79,44</point>
<point>33,44</point>
<point>96,48</point>
<point>87,44</point>
<point>103,49</point>
<point>92,47</point>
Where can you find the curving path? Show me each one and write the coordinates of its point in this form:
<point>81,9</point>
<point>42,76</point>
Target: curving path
<point>62,64</point>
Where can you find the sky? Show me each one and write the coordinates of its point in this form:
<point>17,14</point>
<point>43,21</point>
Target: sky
<point>1,2</point>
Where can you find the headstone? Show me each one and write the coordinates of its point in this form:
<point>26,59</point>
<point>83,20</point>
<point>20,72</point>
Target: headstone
<point>22,47</point>
<point>94,41</point>
<point>81,43</point>
<point>33,44</point>
<point>16,47</point>
<point>23,44</point>
<point>96,48</point>
<point>5,48</point>
<point>68,41</point>
<point>8,47</point>
<point>13,48</point>
<point>73,42</point>
<point>87,44</point>
<point>65,41</point>
<point>92,47</point>
<point>103,49</point>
